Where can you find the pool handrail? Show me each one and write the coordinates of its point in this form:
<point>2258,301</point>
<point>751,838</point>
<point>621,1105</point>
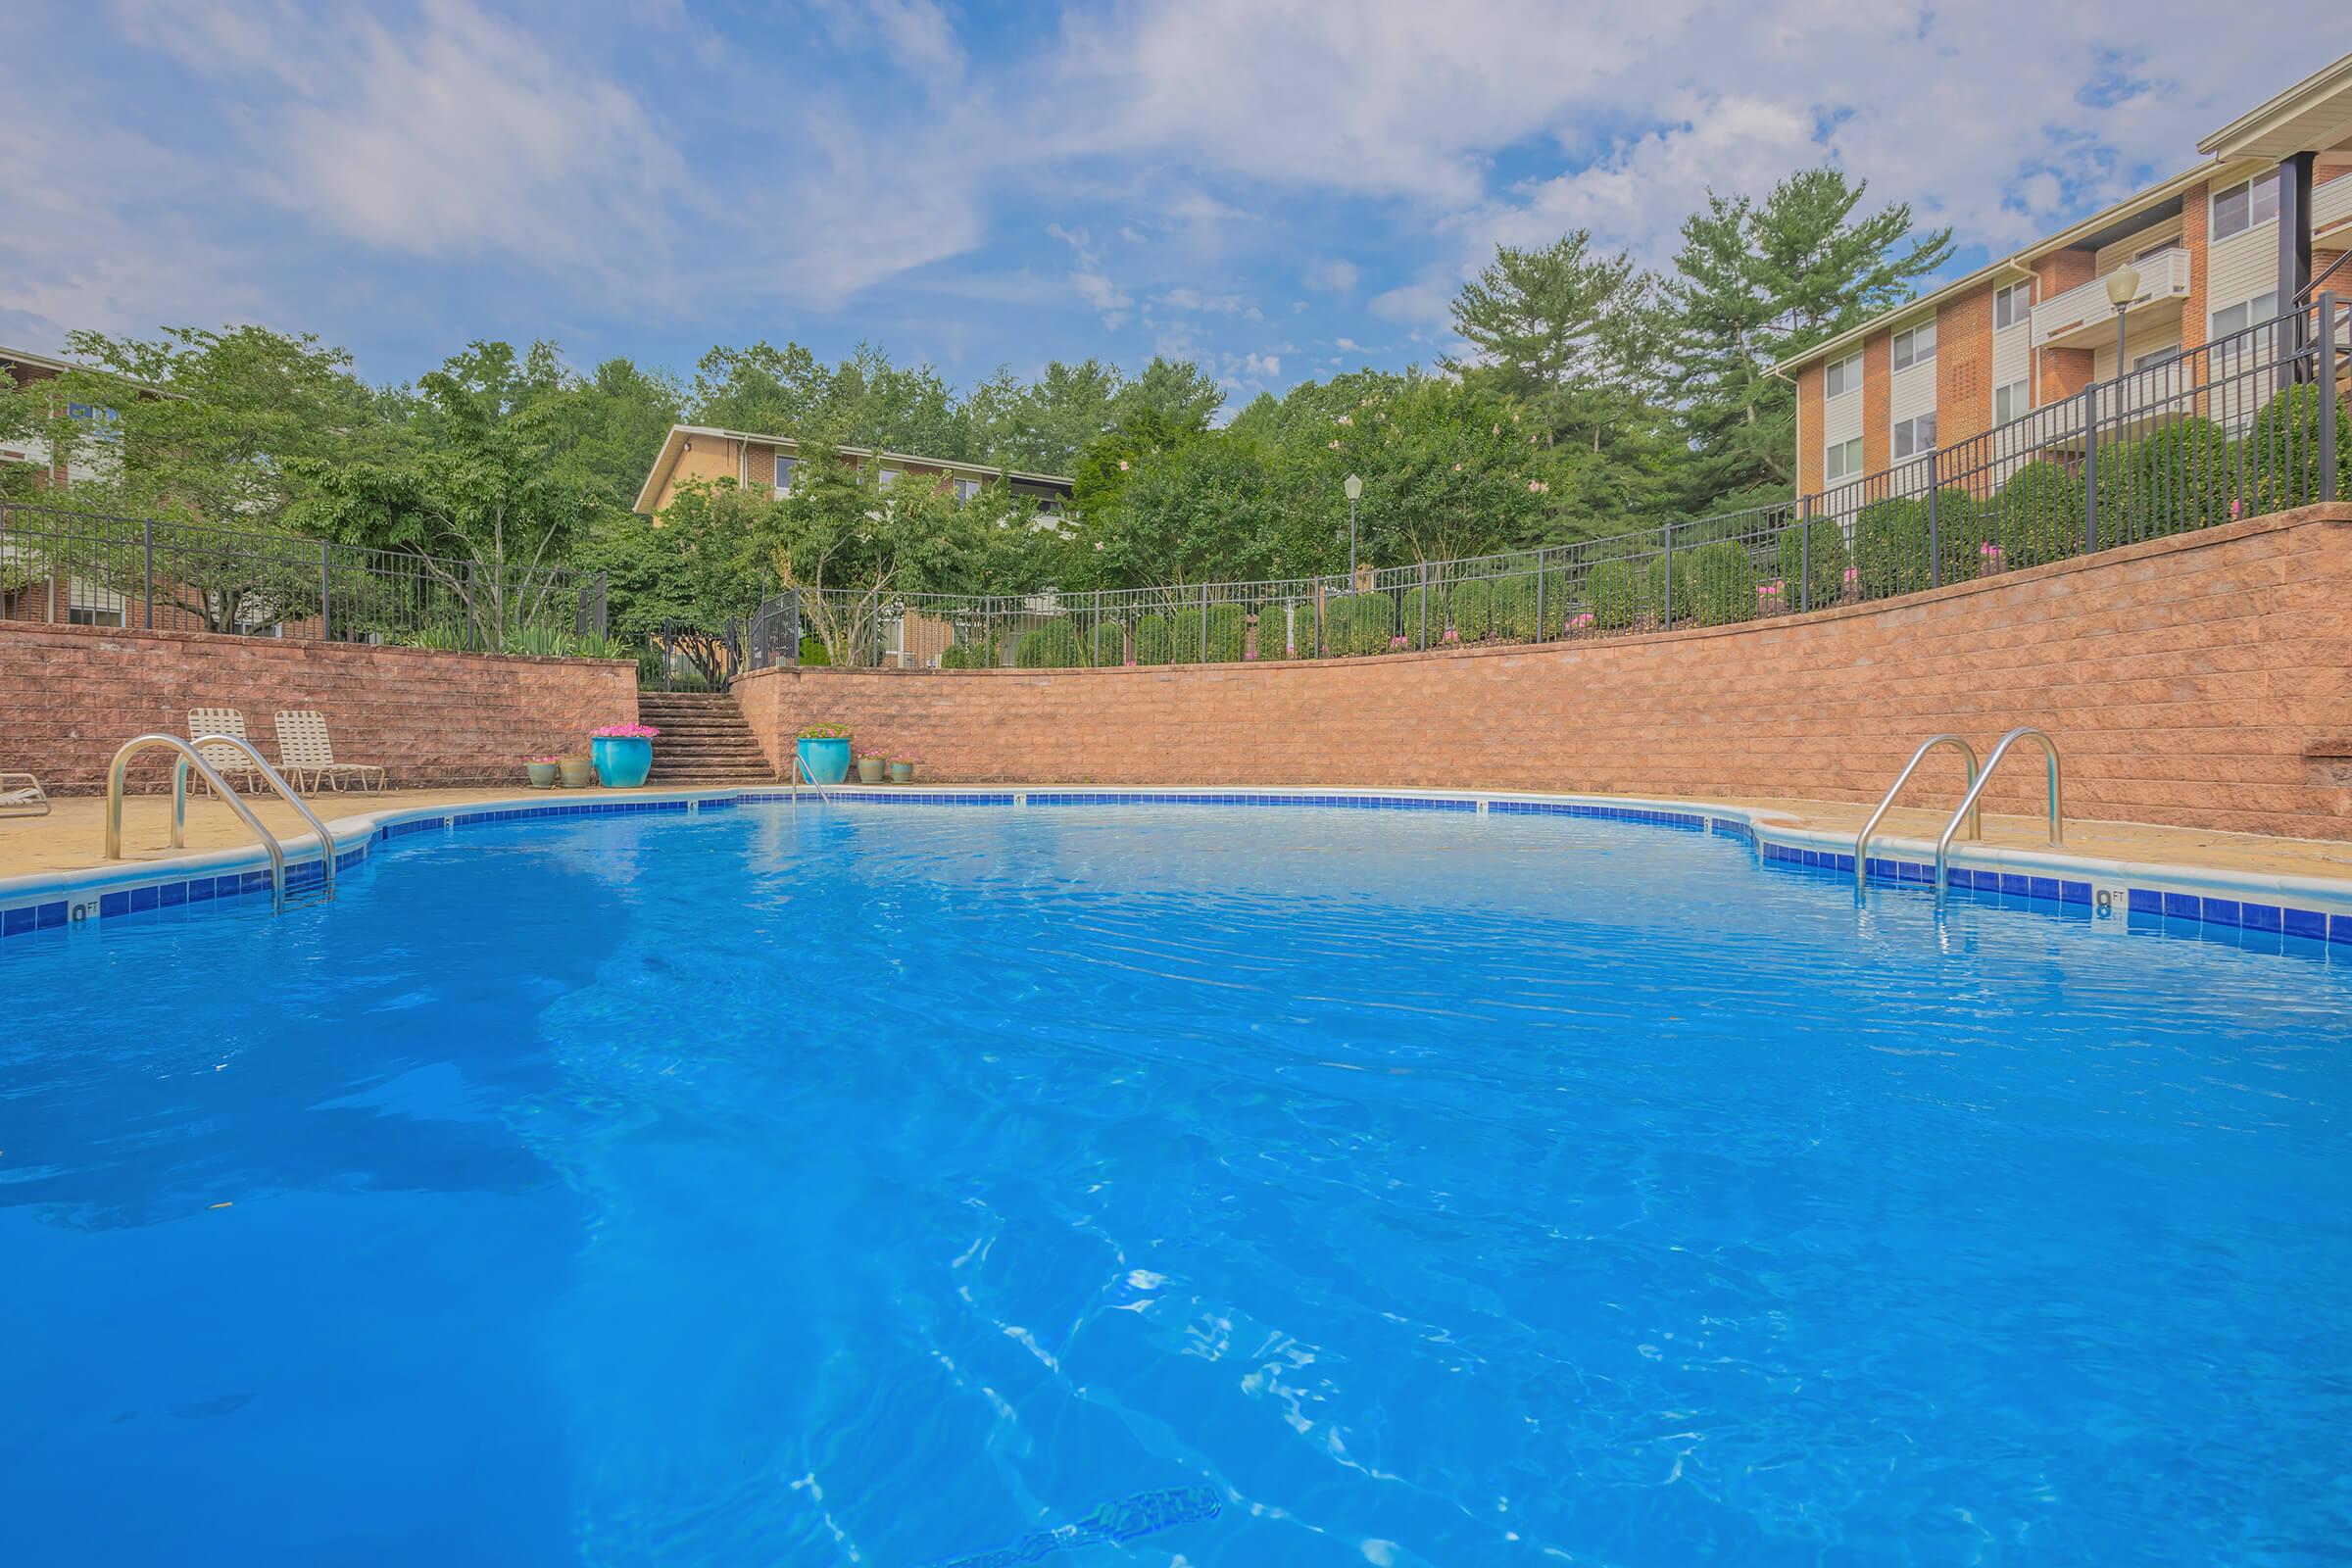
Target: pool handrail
<point>2049,750</point>
<point>190,757</point>
<point>1976,826</point>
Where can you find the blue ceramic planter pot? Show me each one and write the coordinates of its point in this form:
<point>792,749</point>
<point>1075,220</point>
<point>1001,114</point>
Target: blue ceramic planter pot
<point>622,761</point>
<point>826,761</point>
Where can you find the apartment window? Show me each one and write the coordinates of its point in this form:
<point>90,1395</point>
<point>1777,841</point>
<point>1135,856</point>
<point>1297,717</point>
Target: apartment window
<point>1914,436</point>
<point>1914,345</point>
<point>1843,460</point>
<point>968,490</point>
<point>1842,376</point>
<point>784,468</point>
<point>85,616</point>
<point>2012,305</point>
<point>2157,249</point>
<point>2237,318</point>
<point>2011,401</point>
<point>2155,356</point>
<point>890,477</point>
<point>2249,204</point>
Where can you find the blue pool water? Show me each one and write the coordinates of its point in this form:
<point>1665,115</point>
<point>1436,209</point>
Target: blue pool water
<point>1265,1187</point>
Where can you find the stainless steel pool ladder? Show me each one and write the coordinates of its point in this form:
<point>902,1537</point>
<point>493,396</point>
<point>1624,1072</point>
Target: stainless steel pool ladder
<point>1976,824</point>
<point>2049,751</point>
<point>190,757</point>
<point>800,766</point>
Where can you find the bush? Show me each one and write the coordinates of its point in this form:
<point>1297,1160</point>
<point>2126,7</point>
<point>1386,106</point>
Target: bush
<point>1891,546</point>
<point>1286,629</point>
<point>1471,608</point>
<point>814,652</point>
<point>1723,581</point>
<point>2036,517</point>
<point>1110,644</point>
<point>1822,554</point>
<point>1222,643</point>
<point>1155,640</point>
<point>2174,480</point>
<point>1421,616</point>
<point>1052,645</point>
<point>1361,623</point>
<point>1531,605</point>
<point>1667,575</point>
<point>2281,454</point>
<point>1613,590</point>
<point>968,652</point>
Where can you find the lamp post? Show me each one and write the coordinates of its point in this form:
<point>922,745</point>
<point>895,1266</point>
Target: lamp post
<point>2123,287</point>
<point>1354,487</point>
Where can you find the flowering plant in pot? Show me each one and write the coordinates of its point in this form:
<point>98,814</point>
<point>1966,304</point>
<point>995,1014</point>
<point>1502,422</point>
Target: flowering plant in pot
<point>543,772</point>
<point>578,773</point>
<point>901,767</point>
<point>869,767</point>
<point>823,753</point>
<point>624,754</point>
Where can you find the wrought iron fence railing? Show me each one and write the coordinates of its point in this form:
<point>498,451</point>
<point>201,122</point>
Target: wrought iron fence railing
<point>2251,423</point>
<point>60,565</point>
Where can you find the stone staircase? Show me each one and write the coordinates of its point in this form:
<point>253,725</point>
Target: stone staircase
<point>704,740</point>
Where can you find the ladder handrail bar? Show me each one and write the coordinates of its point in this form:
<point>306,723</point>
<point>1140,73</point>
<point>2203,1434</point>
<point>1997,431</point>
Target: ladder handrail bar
<point>2049,750</point>
<point>1976,826</point>
<point>236,803</point>
<point>278,782</point>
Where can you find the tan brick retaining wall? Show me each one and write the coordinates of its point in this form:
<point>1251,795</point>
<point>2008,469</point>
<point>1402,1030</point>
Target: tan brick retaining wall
<point>70,695</point>
<point>2199,681</point>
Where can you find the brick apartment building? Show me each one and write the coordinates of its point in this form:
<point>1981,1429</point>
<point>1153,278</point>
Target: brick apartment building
<point>2219,248</point>
<point>766,464</point>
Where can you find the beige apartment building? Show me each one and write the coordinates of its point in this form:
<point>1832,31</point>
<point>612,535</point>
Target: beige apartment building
<point>767,464</point>
<point>2219,248</point>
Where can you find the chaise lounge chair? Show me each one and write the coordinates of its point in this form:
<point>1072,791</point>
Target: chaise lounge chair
<point>303,747</point>
<point>227,761</point>
<point>21,796</point>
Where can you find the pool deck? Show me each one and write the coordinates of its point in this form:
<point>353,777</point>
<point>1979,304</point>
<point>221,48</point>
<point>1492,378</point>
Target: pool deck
<point>69,838</point>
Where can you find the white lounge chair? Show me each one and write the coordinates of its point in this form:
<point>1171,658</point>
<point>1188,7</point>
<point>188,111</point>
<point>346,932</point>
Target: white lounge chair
<point>227,761</point>
<point>303,747</point>
<point>21,796</point>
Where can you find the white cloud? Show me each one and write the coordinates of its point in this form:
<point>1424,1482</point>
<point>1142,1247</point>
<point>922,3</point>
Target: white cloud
<point>1333,275</point>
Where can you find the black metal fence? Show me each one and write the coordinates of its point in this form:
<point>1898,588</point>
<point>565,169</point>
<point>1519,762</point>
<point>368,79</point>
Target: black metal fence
<point>57,564</point>
<point>2252,422</point>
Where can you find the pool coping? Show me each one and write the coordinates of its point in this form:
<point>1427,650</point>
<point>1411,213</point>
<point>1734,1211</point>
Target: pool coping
<point>2317,908</point>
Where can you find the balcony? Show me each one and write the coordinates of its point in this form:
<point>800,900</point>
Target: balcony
<point>2084,318</point>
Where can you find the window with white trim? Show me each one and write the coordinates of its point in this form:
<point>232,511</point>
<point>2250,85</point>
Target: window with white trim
<point>1914,345</point>
<point>968,490</point>
<point>1843,460</point>
<point>784,468</point>
<point>2249,204</point>
<point>2012,402</point>
<point>2012,304</point>
<point>1915,435</point>
<point>2155,356</point>
<point>1842,376</point>
<point>890,477</point>
<point>2237,318</point>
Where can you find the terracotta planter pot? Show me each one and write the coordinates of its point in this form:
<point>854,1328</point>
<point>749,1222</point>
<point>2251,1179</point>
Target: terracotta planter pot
<point>869,771</point>
<point>579,773</point>
<point>901,772</point>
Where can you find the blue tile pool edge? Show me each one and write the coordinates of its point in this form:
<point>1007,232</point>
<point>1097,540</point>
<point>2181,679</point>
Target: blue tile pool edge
<point>2303,908</point>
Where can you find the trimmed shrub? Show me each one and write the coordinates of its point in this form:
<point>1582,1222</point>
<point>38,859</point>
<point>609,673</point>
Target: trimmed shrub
<point>1891,546</point>
<point>1222,643</point>
<point>2279,457</point>
<point>814,652</point>
<point>1526,601</point>
<point>1667,575</point>
<point>967,655</point>
<point>1822,554</point>
<point>1052,645</point>
<point>1613,590</point>
<point>2036,517</point>
<point>1361,623</point>
<point>1470,604</point>
<point>1723,581</point>
<point>1421,616</point>
<point>1286,629</point>
<point>2174,480</point>
<point>1155,640</point>
<point>1110,644</point>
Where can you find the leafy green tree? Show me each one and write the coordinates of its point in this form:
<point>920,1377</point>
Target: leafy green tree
<point>1214,509</point>
<point>1040,429</point>
<point>864,401</point>
<point>1177,394</point>
<point>1754,284</point>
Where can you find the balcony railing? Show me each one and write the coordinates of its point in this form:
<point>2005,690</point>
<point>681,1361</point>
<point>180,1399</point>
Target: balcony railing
<point>2084,317</point>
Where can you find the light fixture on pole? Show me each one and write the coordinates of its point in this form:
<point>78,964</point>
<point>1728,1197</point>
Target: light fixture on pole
<point>1354,487</point>
<point>2123,287</point>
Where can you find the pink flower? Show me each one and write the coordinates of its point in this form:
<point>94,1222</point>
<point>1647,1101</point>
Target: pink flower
<point>1580,622</point>
<point>2237,508</point>
<point>1457,467</point>
<point>1290,651</point>
<point>1452,636</point>
<point>1770,590</point>
<point>624,732</point>
<point>1535,487</point>
<point>1251,654</point>
<point>1122,464</point>
<point>1396,642</point>
<point>1853,576</point>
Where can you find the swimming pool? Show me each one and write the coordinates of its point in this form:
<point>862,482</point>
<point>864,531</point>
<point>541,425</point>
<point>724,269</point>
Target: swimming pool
<point>971,1186</point>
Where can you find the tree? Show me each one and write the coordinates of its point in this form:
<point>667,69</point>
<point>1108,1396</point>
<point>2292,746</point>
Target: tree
<point>1177,394</point>
<point>478,501</point>
<point>864,401</point>
<point>1560,329</point>
<point>215,430</point>
<point>1042,428</point>
<point>1755,283</point>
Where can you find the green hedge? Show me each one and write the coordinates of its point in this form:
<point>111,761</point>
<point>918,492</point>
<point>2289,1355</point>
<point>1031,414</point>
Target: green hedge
<point>1053,645</point>
<point>2036,517</point>
<point>1361,623</point>
<point>1613,593</point>
<point>1110,644</point>
<point>2174,480</point>
<point>1155,640</point>
<point>2281,453</point>
<point>1470,610</point>
<point>1531,606</point>
<point>968,654</point>
<point>1723,581</point>
<point>1421,616</point>
<point>1225,639</point>
<point>1666,576</point>
<point>1823,554</point>
<point>1285,619</point>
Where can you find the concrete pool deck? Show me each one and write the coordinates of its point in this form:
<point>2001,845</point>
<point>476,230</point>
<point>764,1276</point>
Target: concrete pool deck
<point>69,839</point>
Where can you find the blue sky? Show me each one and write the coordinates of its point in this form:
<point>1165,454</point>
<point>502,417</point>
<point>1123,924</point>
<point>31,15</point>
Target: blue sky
<point>1276,191</point>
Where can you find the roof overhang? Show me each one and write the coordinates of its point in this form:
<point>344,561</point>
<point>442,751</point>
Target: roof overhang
<point>2315,115</point>
<point>673,446</point>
